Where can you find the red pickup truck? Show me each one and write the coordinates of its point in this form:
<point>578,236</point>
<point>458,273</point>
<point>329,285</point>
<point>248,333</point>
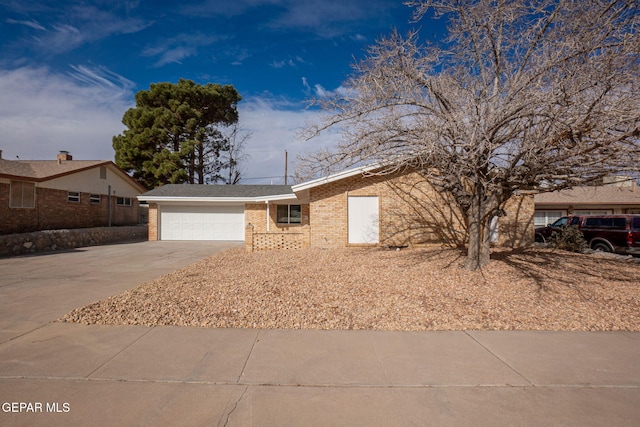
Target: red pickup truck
<point>608,233</point>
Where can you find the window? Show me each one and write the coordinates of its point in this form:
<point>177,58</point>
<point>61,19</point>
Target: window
<point>22,194</point>
<point>73,196</point>
<point>103,172</point>
<point>124,201</point>
<point>593,212</point>
<point>542,218</point>
<point>289,214</point>
<point>94,199</point>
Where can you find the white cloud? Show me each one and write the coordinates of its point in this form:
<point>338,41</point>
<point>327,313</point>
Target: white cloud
<point>341,91</point>
<point>305,83</point>
<point>43,112</point>
<point>325,18</point>
<point>73,26</point>
<point>32,24</point>
<point>275,126</point>
<point>175,49</point>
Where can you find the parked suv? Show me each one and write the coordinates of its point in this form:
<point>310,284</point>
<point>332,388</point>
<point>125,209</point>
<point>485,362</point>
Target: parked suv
<point>607,233</point>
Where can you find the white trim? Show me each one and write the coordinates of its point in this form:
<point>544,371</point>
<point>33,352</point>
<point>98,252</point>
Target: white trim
<point>335,177</point>
<point>160,199</point>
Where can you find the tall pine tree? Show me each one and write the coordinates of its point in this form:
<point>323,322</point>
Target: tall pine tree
<point>173,134</point>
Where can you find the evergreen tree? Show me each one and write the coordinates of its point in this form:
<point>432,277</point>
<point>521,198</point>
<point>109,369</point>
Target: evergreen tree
<point>172,133</point>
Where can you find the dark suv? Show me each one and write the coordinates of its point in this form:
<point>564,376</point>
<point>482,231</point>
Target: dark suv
<point>608,233</point>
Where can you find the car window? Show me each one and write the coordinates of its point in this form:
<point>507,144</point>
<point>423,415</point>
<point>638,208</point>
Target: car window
<point>620,222</point>
<point>592,222</point>
<point>560,222</point>
<point>636,223</point>
<point>575,220</point>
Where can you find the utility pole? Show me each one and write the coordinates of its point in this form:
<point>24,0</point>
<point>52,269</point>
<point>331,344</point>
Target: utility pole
<point>286,165</point>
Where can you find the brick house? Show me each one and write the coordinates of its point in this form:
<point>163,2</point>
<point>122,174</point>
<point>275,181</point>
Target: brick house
<point>65,193</point>
<point>350,208</point>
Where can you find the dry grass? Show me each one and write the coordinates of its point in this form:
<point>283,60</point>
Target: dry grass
<point>412,289</point>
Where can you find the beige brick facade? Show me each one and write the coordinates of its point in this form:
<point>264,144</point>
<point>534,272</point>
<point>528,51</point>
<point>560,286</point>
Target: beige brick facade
<point>260,236</point>
<point>153,221</point>
<point>411,212</point>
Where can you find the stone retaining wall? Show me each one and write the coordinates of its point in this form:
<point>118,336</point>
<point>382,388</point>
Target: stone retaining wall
<point>52,240</point>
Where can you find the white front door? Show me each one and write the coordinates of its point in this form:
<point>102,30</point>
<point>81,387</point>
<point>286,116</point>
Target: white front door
<point>363,219</point>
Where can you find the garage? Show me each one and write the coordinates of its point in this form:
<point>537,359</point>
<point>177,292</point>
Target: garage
<point>181,222</point>
<point>206,212</point>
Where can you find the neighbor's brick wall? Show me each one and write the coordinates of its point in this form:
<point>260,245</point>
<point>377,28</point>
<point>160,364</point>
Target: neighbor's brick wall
<point>54,211</point>
<point>412,212</point>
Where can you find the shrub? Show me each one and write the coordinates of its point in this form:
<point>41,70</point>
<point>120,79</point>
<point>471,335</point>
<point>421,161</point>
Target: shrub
<point>569,239</point>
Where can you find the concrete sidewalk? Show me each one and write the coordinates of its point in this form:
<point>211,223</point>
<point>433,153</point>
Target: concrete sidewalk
<point>134,375</point>
<point>70,374</point>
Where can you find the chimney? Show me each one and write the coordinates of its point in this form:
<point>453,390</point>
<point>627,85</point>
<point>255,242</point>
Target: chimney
<point>0,154</point>
<point>64,155</point>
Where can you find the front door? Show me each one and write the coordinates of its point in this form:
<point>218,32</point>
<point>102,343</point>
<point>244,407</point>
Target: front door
<point>363,220</point>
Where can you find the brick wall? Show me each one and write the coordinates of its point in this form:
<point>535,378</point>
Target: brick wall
<point>256,215</point>
<point>278,236</point>
<point>412,212</point>
<point>516,229</point>
<point>153,221</point>
<point>260,241</point>
<point>53,211</point>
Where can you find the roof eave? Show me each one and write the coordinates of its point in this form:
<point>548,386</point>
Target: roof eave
<point>182,199</point>
<point>334,177</point>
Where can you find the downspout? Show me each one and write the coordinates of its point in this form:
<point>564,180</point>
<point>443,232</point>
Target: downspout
<point>109,206</point>
<point>268,215</point>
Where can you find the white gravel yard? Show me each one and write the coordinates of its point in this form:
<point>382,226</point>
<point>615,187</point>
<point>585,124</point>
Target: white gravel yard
<point>411,289</point>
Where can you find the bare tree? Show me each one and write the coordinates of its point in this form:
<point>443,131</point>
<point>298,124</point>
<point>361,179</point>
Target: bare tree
<point>522,94</point>
<point>234,156</point>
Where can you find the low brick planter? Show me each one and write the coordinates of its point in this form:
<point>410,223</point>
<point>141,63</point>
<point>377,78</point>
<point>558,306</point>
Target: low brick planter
<point>53,240</point>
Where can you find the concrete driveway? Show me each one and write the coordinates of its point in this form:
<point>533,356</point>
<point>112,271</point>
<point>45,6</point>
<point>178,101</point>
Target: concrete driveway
<point>36,289</point>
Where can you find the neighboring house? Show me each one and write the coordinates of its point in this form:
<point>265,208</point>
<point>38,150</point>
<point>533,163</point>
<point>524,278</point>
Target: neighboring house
<point>614,196</point>
<point>65,193</point>
<point>349,208</point>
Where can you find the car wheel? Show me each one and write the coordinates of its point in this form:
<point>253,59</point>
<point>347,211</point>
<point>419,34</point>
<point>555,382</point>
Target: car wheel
<point>540,238</point>
<point>601,246</point>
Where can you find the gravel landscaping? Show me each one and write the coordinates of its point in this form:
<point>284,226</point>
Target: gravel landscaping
<point>410,289</point>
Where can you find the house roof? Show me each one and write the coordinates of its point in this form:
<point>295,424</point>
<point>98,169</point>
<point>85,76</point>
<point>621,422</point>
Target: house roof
<point>45,170</point>
<point>594,195</point>
<point>217,193</point>
<point>42,170</point>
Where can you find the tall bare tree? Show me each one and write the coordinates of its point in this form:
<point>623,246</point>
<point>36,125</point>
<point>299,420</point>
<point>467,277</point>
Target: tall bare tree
<point>522,94</point>
<point>235,155</point>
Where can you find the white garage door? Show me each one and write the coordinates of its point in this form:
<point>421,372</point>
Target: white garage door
<point>202,223</point>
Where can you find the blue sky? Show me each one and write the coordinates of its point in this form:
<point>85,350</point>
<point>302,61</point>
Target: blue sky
<point>70,69</point>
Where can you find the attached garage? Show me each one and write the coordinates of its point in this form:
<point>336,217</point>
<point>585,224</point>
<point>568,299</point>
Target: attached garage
<point>206,212</point>
<point>201,222</point>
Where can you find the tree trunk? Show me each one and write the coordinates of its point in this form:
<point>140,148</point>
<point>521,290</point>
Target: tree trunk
<point>479,228</point>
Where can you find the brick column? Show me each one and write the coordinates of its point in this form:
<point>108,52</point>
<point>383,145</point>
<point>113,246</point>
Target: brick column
<point>248,238</point>
<point>153,221</point>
